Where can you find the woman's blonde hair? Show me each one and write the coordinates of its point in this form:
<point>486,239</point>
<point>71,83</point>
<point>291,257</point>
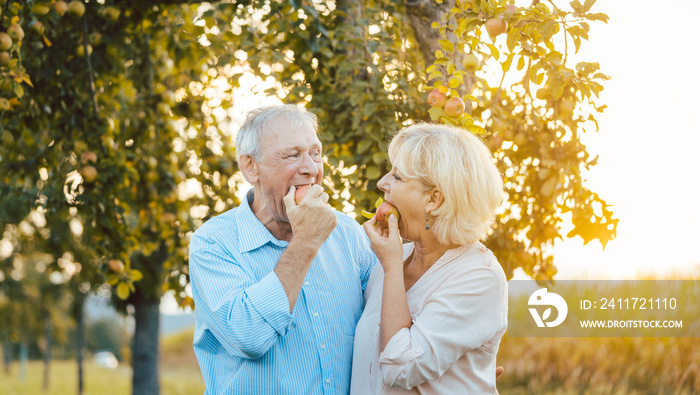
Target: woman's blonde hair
<point>459,165</point>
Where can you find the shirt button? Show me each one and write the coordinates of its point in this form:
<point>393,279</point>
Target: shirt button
<point>315,314</point>
<point>328,381</point>
<point>306,283</point>
<point>323,346</point>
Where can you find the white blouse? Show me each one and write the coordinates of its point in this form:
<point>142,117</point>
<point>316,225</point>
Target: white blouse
<point>459,310</point>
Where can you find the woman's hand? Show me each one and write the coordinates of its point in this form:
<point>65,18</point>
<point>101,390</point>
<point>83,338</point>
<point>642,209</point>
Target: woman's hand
<point>386,243</point>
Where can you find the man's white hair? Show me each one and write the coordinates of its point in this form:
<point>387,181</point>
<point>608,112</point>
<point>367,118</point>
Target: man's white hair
<point>257,121</point>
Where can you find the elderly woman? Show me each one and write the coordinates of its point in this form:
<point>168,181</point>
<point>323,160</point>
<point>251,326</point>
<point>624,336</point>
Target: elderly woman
<point>436,307</point>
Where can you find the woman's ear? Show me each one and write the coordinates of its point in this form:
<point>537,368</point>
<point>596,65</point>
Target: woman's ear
<point>435,199</point>
<point>249,168</point>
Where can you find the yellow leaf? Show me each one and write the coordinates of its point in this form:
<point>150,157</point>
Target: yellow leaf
<point>46,40</point>
<point>367,215</point>
<point>25,78</point>
<point>15,19</point>
<point>136,275</point>
<point>378,203</point>
<point>123,291</point>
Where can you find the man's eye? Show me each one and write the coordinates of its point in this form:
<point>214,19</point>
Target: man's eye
<point>396,176</point>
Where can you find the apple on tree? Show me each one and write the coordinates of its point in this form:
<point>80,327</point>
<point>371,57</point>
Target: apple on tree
<point>454,107</point>
<point>76,8</point>
<point>496,26</point>
<point>470,62</point>
<point>61,7</point>
<point>437,98</point>
<point>89,173</point>
<point>5,41</point>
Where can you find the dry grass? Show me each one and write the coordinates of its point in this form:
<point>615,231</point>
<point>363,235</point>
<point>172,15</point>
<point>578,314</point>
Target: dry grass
<point>600,365</point>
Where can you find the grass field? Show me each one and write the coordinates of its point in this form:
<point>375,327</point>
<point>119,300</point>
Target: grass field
<point>554,366</point>
<point>180,374</point>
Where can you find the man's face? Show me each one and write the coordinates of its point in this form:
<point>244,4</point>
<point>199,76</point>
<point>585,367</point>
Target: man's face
<point>290,155</point>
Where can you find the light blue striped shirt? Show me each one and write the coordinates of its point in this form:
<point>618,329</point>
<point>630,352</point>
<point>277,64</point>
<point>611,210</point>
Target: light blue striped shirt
<point>245,339</point>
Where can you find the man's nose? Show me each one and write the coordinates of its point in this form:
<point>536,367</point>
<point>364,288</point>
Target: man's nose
<point>308,165</point>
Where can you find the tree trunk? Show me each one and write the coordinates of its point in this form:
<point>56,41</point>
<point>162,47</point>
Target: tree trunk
<point>23,356</point>
<point>422,13</point>
<point>145,349</point>
<point>7,356</point>
<point>48,329</point>
<point>79,317</point>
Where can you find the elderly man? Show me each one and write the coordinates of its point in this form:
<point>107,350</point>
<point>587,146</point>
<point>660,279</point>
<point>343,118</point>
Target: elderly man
<point>278,285</point>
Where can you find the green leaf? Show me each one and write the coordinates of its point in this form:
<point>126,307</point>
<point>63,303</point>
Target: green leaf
<point>363,145</point>
<point>123,291</point>
<point>379,158</point>
<point>373,172</point>
<point>18,90</point>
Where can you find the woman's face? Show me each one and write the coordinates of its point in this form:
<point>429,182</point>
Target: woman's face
<point>410,198</point>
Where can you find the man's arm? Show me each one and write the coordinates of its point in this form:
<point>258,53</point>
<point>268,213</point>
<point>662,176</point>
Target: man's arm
<point>245,314</point>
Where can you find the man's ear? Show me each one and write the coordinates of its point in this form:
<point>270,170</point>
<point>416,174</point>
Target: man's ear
<point>249,168</point>
<point>435,199</point>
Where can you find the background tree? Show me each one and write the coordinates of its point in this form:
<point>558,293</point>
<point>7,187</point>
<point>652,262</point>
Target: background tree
<point>109,113</point>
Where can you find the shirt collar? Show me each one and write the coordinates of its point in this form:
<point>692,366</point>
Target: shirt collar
<point>252,233</point>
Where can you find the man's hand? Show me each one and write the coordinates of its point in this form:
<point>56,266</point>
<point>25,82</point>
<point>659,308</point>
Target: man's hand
<point>313,219</point>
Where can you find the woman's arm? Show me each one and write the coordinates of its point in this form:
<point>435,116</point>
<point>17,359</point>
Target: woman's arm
<point>386,244</point>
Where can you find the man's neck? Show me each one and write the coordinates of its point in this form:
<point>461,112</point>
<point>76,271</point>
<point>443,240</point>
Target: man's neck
<point>280,230</point>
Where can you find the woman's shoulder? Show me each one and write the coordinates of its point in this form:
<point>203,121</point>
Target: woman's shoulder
<point>476,261</point>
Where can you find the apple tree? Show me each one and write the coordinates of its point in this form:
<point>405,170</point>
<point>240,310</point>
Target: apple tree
<point>496,69</point>
<point>115,134</point>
